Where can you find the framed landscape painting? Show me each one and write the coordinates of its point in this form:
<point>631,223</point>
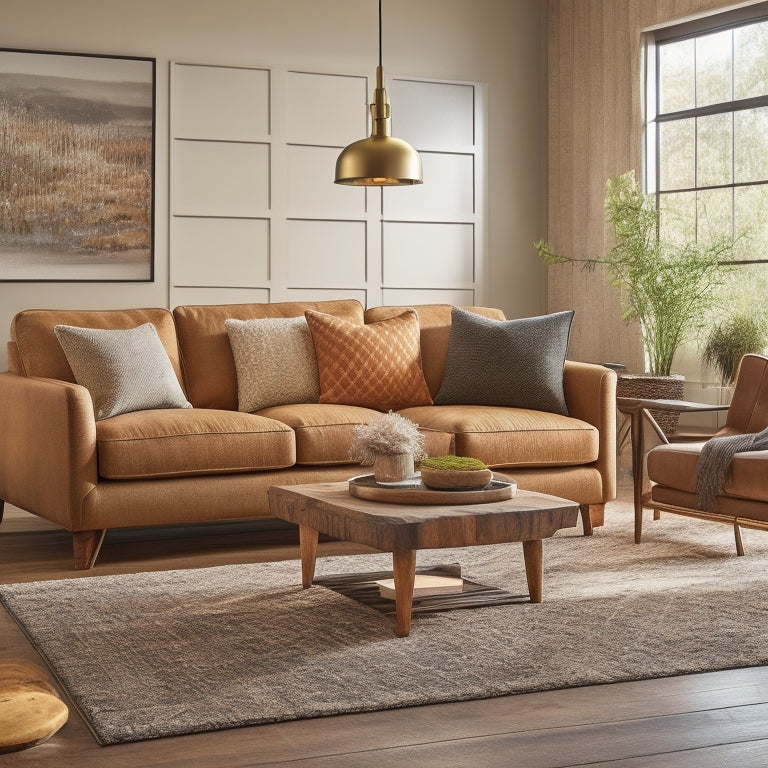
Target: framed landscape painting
<point>76,167</point>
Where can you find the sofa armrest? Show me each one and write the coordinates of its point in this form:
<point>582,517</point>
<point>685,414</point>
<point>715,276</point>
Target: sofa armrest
<point>590,394</point>
<point>47,447</point>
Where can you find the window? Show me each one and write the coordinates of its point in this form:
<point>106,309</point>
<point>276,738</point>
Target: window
<point>707,139</point>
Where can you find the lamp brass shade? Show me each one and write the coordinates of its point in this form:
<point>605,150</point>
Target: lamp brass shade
<point>381,159</point>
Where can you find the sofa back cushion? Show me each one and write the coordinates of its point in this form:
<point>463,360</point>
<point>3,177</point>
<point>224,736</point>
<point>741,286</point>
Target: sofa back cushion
<point>435,326</point>
<point>210,374</point>
<point>37,351</point>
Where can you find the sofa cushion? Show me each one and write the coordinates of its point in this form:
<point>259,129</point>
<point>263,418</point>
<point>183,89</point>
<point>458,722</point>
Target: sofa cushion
<point>124,370</point>
<point>210,377</point>
<point>674,466</point>
<point>324,431</point>
<point>512,437</point>
<point>177,443</point>
<point>373,366</point>
<point>275,362</point>
<point>514,363</point>
<point>37,351</point>
<point>434,330</point>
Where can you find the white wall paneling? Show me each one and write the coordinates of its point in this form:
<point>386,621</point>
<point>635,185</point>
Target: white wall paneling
<point>254,205</point>
<point>221,251</point>
<point>218,295</point>
<point>326,253</point>
<point>224,103</point>
<point>410,297</point>
<point>419,255</point>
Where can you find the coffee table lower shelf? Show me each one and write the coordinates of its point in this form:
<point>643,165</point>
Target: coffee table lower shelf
<point>363,588</point>
<point>402,530</point>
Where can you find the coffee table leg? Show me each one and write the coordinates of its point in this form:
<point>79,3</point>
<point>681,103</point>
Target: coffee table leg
<point>532,553</point>
<point>308,538</point>
<point>404,571</point>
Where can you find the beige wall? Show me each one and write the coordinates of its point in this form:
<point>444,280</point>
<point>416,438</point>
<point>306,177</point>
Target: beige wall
<point>595,127</point>
<point>498,42</point>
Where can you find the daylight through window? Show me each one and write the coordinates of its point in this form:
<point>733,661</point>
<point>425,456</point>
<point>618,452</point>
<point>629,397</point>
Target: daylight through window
<point>707,140</point>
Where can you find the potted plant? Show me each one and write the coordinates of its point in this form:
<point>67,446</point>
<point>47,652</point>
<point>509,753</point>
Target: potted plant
<point>391,443</point>
<point>455,472</point>
<point>665,285</point>
<point>729,340</point>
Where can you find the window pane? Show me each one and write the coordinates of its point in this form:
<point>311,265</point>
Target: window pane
<point>715,214</point>
<point>714,150</point>
<point>751,223</point>
<point>751,134</point>
<point>677,76</point>
<point>714,62</point>
<point>750,54</point>
<point>677,152</point>
<point>677,217</point>
<point>744,290</point>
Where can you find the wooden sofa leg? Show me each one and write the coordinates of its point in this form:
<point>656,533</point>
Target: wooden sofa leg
<point>86,545</point>
<point>586,519</point>
<point>737,533</point>
<point>592,515</point>
<point>2,509</point>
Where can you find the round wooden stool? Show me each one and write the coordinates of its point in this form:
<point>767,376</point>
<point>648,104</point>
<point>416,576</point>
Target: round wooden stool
<point>30,709</point>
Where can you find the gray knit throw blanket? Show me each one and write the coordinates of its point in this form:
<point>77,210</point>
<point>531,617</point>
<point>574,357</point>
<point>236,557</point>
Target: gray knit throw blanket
<point>715,461</point>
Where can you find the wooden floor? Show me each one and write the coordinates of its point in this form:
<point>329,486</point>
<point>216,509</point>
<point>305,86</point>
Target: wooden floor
<point>712,720</point>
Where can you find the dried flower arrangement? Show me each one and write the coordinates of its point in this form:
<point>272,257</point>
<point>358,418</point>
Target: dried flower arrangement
<point>389,434</point>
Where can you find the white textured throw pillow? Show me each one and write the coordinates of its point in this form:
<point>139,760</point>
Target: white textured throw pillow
<point>275,362</point>
<point>124,370</point>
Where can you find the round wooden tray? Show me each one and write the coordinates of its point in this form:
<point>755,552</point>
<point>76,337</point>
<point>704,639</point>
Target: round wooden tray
<point>413,491</point>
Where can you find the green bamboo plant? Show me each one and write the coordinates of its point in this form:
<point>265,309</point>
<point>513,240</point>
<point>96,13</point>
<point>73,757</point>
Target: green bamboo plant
<point>731,339</point>
<point>664,285</point>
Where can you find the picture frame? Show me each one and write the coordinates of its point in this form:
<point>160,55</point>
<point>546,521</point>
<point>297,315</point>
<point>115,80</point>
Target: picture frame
<point>77,167</point>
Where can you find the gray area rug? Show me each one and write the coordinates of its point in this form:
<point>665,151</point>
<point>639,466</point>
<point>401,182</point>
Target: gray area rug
<point>159,654</point>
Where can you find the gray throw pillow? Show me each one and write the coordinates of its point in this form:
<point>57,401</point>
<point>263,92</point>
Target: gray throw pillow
<point>514,363</point>
<point>124,370</point>
<point>275,362</point>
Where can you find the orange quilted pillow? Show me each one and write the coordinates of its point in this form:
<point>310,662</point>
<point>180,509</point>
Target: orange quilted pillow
<point>375,366</point>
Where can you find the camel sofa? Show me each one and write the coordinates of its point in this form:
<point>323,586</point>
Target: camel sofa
<point>195,457</point>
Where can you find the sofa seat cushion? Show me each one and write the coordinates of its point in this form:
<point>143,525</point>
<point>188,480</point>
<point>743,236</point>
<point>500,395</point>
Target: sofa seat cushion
<point>324,431</point>
<point>183,442</point>
<point>674,466</point>
<point>512,437</point>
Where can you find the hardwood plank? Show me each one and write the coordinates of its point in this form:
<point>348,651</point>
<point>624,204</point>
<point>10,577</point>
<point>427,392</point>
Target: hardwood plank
<point>660,738</point>
<point>626,724</point>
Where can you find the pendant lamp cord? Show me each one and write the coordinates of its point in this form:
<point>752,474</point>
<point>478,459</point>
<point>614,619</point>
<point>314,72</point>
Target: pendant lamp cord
<point>380,33</point>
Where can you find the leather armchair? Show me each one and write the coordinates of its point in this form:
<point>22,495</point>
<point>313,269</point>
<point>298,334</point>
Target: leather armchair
<point>744,500</point>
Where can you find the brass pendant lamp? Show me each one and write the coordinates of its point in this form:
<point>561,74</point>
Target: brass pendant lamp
<point>381,159</point>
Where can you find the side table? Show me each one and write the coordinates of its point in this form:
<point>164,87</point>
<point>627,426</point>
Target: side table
<point>638,410</point>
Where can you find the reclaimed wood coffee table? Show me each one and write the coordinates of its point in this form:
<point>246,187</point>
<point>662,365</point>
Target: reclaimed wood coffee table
<point>403,529</point>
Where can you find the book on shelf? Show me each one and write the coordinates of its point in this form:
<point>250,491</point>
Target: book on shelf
<point>424,586</point>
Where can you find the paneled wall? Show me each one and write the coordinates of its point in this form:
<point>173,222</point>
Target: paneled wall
<point>595,132</point>
<point>255,215</point>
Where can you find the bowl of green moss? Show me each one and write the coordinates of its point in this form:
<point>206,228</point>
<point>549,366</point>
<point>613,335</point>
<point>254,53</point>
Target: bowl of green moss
<point>454,473</point>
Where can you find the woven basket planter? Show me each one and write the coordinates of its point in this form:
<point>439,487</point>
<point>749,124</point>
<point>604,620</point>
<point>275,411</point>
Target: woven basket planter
<point>643,385</point>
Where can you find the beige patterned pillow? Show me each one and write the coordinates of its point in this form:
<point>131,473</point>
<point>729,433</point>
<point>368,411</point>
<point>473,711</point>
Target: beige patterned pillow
<point>377,365</point>
<point>275,362</point>
<point>124,370</point>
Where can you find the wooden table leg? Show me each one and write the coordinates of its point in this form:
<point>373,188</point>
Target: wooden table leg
<point>308,538</point>
<point>638,460</point>
<point>532,553</point>
<point>404,571</point>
